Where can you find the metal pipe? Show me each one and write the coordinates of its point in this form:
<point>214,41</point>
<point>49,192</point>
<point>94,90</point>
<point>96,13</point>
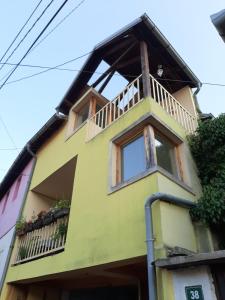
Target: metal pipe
<point>149,234</point>
<point>195,97</point>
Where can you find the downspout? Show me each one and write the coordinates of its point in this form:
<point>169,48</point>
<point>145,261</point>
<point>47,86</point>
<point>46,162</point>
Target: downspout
<point>19,216</point>
<point>195,97</point>
<point>150,237</point>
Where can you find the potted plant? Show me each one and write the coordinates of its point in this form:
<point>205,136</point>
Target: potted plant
<point>38,223</point>
<point>20,226</point>
<point>48,218</point>
<point>61,231</point>
<point>23,251</point>
<point>61,209</point>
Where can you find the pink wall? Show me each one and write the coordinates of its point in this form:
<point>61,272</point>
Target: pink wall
<point>11,202</point>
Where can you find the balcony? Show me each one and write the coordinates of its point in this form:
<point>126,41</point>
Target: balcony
<point>42,242</point>
<point>130,97</point>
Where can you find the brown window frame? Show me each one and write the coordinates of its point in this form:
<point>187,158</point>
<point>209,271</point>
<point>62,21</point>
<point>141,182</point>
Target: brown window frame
<point>148,131</point>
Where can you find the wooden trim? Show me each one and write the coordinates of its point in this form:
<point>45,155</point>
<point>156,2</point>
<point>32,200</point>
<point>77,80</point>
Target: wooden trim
<point>179,163</point>
<point>118,173</point>
<point>150,150</point>
<point>145,69</point>
<point>92,107</point>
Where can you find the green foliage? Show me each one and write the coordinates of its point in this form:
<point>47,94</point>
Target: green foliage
<point>60,231</point>
<point>62,204</point>
<point>23,251</point>
<point>20,225</point>
<point>208,149</point>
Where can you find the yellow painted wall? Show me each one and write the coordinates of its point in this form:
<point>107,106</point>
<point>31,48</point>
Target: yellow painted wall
<point>106,227</point>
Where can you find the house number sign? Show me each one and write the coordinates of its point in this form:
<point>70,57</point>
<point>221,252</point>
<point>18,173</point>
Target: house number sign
<point>194,292</point>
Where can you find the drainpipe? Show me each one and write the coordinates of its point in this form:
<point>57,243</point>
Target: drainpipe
<point>195,97</point>
<point>19,216</point>
<point>149,234</point>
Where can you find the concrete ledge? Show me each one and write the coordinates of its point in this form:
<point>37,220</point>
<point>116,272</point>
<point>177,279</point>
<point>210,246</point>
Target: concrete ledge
<point>191,260</point>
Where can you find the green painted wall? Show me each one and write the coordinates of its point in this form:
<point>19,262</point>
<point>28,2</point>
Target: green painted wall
<point>107,227</point>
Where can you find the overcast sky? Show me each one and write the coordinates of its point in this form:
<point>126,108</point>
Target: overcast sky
<point>26,105</point>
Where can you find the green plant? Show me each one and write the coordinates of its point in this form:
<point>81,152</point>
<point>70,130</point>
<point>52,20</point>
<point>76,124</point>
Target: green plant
<point>20,224</point>
<point>23,251</point>
<point>60,231</point>
<point>208,149</point>
<point>63,203</point>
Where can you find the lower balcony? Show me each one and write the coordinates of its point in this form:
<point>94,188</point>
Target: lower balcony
<point>42,241</point>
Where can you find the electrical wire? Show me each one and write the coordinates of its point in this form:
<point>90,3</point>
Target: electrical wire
<point>58,24</point>
<point>7,132</point>
<point>21,29</point>
<point>30,29</point>
<point>38,37</point>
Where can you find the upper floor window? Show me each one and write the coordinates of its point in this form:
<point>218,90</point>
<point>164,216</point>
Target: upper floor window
<point>5,202</point>
<point>133,159</point>
<point>88,105</point>
<point>143,150</point>
<point>15,194</point>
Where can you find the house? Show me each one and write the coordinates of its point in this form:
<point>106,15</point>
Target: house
<point>123,163</point>
<point>13,190</point>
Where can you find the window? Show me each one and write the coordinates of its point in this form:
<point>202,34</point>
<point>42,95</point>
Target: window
<point>142,150</point>
<point>82,115</point>
<point>133,159</point>
<point>15,194</point>
<point>5,202</point>
<point>165,154</point>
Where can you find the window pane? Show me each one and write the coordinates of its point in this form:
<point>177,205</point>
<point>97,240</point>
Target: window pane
<point>82,115</point>
<point>165,155</point>
<point>133,158</point>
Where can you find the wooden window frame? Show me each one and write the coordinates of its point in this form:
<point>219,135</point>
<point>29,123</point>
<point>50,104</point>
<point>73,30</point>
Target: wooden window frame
<point>148,132</point>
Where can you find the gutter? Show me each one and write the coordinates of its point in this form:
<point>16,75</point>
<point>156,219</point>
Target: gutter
<point>19,216</point>
<point>150,236</point>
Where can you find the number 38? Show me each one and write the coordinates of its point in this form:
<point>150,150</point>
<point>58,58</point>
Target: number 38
<point>194,295</point>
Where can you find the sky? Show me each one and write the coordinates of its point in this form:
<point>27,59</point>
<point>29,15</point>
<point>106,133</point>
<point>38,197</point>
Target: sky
<point>27,104</point>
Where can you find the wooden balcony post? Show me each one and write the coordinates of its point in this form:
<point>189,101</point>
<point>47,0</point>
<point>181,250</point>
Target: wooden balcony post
<point>145,69</point>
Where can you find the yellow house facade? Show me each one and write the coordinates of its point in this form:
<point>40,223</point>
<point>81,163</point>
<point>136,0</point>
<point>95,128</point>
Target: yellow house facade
<point>106,158</point>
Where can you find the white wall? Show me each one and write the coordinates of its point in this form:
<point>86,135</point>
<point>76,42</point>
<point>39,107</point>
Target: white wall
<point>200,275</point>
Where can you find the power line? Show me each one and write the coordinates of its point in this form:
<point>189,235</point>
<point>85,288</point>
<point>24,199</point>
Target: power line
<point>57,67</point>
<point>30,29</point>
<point>15,38</point>
<point>38,37</point>
<point>7,132</point>
<point>60,22</point>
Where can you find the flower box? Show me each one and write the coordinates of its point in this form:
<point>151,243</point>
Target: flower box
<point>60,212</point>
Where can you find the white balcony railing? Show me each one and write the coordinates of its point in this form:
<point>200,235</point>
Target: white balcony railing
<point>172,106</point>
<point>43,241</point>
<point>113,110</point>
<point>131,96</point>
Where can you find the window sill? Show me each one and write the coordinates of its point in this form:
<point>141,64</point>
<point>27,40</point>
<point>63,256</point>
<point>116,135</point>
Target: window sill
<point>146,173</point>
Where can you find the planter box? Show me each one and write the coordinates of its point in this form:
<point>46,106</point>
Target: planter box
<point>38,224</point>
<point>60,213</point>
<point>48,219</point>
<point>20,232</point>
<point>29,227</point>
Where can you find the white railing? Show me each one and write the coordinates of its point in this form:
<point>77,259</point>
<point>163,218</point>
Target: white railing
<point>172,106</point>
<point>43,241</point>
<point>113,110</point>
<point>132,95</point>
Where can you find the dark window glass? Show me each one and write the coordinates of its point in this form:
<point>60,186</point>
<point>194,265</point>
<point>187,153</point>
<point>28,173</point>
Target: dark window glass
<point>17,188</point>
<point>82,115</point>
<point>133,158</point>
<point>5,202</point>
<point>165,154</point>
